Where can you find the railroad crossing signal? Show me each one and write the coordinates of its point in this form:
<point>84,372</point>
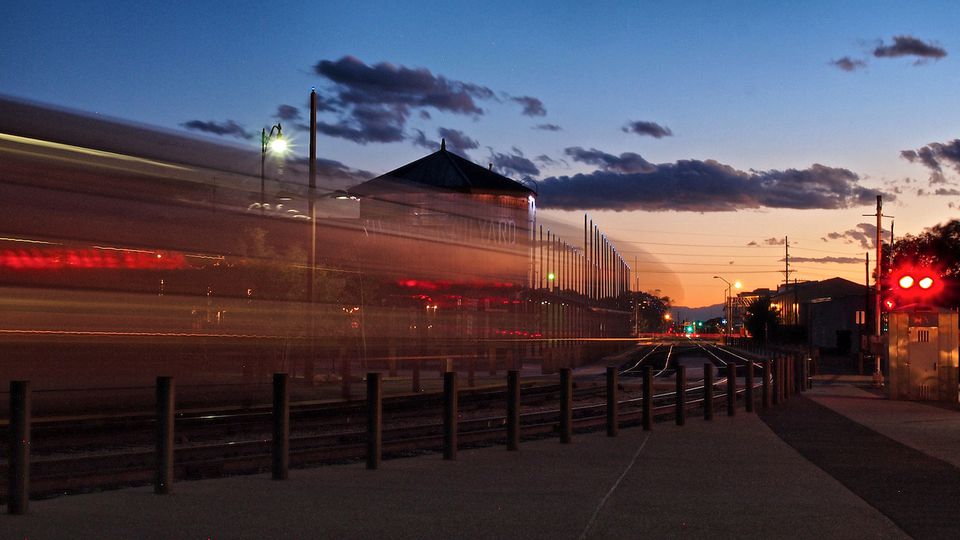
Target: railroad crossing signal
<point>913,285</point>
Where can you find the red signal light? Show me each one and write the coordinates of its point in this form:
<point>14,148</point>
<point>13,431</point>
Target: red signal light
<point>914,285</point>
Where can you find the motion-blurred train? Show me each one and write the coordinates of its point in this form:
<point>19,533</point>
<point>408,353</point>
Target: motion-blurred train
<point>127,252</point>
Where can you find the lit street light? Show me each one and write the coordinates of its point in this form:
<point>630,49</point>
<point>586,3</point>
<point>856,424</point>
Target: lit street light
<point>728,305</point>
<point>277,145</point>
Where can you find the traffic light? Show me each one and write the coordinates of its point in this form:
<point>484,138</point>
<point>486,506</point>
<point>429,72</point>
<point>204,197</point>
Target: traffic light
<point>911,285</point>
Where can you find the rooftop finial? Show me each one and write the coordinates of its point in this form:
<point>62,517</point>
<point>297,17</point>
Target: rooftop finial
<point>443,144</point>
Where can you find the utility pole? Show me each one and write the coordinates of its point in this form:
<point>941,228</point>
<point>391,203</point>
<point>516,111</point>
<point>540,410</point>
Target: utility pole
<point>312,262</point>
<point>786,261</point>
<point>878,315</point>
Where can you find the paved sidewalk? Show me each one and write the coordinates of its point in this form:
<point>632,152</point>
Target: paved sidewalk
<point>729,478</point>
<point>895,455</point>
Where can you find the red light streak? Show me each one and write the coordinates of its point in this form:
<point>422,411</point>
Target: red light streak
<point>59,259</point>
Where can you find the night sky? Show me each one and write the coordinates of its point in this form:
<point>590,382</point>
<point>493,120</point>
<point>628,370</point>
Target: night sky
<point>697,135</point>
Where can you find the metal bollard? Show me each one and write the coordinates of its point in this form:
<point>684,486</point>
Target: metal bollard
<point>748,387</point>
<point>777,362</point>
<point>680,406</point>
<point>513,410</point>
<point>647,398</point>
<point>766,383</point>
<point>808,376</point>
<point>566,406</point>
<point>731,389</point>
<point>374,420</point>
<point>18,473</point>
<point>450,410</point>
<point>613,423</point>
<point>788,377</point>
<point>163,477</point>
<point>708,391</point>
<point>280,451</point>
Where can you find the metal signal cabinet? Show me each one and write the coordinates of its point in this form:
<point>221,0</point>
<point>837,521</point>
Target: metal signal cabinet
<point>922,348</point>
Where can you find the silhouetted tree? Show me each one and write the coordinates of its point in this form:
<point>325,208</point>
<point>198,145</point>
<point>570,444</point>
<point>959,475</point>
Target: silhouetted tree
<point>761,319</point>
<point>649,310</point>
<point>938,247</point>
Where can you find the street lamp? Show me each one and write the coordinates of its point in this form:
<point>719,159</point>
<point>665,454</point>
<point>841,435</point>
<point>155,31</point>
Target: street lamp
<point>278,145</point>
<point>728,305</point>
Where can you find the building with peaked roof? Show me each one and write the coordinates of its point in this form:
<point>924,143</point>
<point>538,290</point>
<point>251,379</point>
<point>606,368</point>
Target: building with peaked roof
<point>448,218</point>
<point>442,170</point>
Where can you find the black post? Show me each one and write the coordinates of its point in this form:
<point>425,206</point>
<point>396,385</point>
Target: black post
<point>647,398</point>
<point>374,421</point>
<point>163,478</point>
<point>450,415</point>
<point>731,388</point>
<point>566,405</point>
<point>777,375</point>
<point>766,383</point>
<point>680,406</point>
<point>748,386</point>
<point>513,410</point>
<point>281,427</point>
<point>708,391</point>
<point>613,424</point>
<point>792,377</point>
<point>18,473</point>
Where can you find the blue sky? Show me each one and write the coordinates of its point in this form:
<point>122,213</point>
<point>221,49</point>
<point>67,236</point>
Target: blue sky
<point>747,84</point>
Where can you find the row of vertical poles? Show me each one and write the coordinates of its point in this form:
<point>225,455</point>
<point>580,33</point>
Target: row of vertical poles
<point>595,271</point>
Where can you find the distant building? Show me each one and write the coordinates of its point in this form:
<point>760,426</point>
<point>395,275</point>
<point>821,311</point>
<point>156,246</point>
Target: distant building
<point>824,312</point>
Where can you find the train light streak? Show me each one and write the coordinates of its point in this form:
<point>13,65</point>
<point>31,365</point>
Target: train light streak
<point>58,259</point>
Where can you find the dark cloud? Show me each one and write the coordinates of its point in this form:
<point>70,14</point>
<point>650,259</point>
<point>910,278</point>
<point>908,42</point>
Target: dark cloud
<point>375,101</point>
<point>287,112</point>
<point>909,46</point>
<point>849,64</point>
<point>865,235</point>
<point>651,129</point>
<point>935,156</point>
<point>547,127</point>
<point>825,260</point>
<point>420,139</point>
<point>386,84</point>
<point>457,141</point>
<point>513,164</point>
<point>228,128</point>
<point>531,105</point>
<point>627,162</point>
<point>369,124</point>
<point>947,192</point>
<point>773,241</point>
<point>705,186</point>
<point>547,161</point>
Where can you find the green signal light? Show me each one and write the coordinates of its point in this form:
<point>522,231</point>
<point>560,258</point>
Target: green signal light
<point>551,276</point>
